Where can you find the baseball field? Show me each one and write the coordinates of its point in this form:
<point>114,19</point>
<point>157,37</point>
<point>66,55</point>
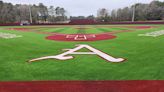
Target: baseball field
<point>140,46</point>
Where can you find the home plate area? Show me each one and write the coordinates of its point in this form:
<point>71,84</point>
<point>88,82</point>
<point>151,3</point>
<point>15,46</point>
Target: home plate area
<point>81,37</point>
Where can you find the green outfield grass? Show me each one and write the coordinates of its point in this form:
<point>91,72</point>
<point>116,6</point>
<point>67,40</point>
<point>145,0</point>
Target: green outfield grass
<point>144,55</point>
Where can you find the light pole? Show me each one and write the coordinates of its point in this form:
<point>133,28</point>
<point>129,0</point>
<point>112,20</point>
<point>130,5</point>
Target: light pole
<point>30,13</point>
<point>133,16</point>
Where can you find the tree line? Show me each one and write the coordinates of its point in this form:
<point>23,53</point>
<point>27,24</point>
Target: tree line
<point>10,13</point>
<point>141,12</point>
<point>40,13</point>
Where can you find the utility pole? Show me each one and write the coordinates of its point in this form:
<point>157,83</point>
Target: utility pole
<point>30,13</point>
<point>134,9</point>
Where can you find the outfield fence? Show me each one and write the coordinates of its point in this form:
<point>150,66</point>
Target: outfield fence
<point>85,23</point>
<point>10,24</point>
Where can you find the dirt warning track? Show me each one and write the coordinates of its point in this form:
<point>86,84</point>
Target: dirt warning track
<point>83,86</point>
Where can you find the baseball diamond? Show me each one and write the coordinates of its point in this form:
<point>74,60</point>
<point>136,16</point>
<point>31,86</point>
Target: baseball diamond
<point>120,42</point>
<point>81,46</point>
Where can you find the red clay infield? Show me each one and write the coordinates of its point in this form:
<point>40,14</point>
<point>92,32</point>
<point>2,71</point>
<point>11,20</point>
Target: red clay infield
<point>133,27</point>
<point>83,86</point>
<point>19,29</point>
<point>139,27</point>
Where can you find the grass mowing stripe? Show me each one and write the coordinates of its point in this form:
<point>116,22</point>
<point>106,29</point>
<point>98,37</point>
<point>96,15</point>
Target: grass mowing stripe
<point>81,31</point>
<point>69,31</point>
<point>51,29</point>
<point>59,30</point>
<point>103,29</point>
<point>93,31</point>
<point>40,29</point>
<point>118,28</point>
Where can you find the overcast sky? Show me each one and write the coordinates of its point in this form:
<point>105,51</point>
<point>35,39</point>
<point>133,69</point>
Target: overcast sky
<point>83,7</point>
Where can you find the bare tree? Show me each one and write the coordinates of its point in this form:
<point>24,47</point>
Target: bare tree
<point>103,15</point>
